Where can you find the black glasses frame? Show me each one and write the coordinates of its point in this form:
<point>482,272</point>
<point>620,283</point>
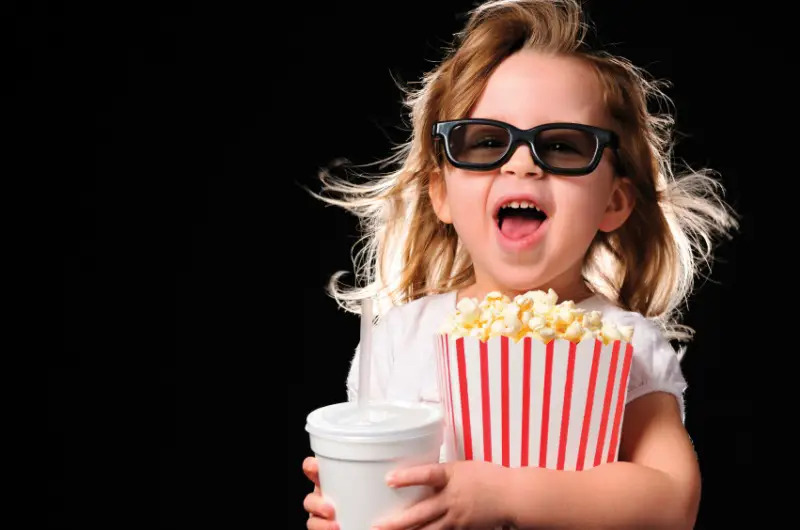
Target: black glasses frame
<point>605,138</point>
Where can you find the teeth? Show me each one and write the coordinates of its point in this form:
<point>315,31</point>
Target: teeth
<point>520,204</point>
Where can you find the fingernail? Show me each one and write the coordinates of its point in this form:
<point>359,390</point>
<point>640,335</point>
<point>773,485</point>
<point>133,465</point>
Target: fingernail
<point>391,478</point>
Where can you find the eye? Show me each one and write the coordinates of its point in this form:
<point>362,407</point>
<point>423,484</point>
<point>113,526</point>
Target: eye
<point>488,142</point>
<point>560,147</point>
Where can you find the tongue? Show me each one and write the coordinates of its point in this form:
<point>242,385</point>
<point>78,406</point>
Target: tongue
<point>519,227</point>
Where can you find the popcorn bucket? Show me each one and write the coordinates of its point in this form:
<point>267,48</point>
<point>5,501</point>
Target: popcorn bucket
<point>558,405</point>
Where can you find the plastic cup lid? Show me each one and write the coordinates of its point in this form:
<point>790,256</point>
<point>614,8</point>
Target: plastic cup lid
<point>378,421</point>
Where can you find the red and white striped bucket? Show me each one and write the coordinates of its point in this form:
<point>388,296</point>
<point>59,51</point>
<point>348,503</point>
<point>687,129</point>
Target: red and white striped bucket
<point>556,406</point>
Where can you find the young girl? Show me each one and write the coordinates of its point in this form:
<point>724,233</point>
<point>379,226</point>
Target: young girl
<point>535,164</point>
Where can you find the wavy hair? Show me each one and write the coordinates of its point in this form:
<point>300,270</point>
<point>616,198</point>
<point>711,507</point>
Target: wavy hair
<point>648,265</point>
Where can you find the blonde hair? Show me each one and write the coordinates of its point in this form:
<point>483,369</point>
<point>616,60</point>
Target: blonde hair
<point>648,265</point>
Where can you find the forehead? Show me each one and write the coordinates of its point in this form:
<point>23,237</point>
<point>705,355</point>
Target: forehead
<point>530,88</point>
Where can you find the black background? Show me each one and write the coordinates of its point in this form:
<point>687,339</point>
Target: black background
<point>172,140</point>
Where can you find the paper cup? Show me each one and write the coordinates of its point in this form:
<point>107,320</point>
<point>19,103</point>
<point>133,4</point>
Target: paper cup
<point>356,448</point>
<point>556,406</point>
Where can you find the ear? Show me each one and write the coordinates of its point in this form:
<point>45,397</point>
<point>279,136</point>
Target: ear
<point>437,191</point>
<point>620,205</point>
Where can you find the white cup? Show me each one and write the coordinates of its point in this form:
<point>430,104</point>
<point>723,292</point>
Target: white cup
<point>356,448</point>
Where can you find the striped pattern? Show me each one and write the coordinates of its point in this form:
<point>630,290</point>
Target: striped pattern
<point>558,406</point>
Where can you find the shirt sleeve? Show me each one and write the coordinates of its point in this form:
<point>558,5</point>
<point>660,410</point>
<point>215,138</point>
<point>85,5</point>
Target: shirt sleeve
<point>381,362</point>
<point>655,366</point>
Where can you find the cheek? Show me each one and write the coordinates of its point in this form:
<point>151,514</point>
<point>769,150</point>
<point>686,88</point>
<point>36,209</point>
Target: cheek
<point>465,194</point>
<point>579,213</point>
<point>467,201</point>
<point>583,201</point>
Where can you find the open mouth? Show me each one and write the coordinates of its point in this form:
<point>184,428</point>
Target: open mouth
<point>519,219</point>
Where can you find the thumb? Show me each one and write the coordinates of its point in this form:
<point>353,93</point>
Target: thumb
<point>311,470</point>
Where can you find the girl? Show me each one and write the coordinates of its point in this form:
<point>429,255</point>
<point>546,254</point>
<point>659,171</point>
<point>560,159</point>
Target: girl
<point>535,164</point>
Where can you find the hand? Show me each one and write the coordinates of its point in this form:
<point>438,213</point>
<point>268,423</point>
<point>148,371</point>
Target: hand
<point>466,495</point>
<point>320,514</point>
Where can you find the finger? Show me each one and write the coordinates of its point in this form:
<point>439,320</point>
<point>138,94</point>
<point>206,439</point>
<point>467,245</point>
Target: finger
<point>311,469</point>
<point>440,523</point>
<point>315,505</point>
<point>435,475</point>
<point>315,523</point>
<point>426,511</point>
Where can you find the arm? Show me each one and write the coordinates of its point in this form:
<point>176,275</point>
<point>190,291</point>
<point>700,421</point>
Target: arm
<point>656,483</point>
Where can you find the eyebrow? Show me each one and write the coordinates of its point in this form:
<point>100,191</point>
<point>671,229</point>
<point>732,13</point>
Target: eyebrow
<point>505,119</point>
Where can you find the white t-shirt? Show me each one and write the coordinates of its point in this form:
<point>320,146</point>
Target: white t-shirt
<point>404,352</point>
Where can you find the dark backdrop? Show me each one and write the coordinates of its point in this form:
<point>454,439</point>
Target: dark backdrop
<point>173,140</point>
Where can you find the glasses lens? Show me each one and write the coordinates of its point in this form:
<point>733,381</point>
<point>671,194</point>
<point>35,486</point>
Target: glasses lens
<point>476,143</point>
<point>566,148</point>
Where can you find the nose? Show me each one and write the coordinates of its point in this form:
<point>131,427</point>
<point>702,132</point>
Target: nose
<point>521,162</point>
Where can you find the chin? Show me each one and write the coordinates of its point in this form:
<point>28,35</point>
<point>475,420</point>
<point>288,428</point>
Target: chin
<point>521,280</point>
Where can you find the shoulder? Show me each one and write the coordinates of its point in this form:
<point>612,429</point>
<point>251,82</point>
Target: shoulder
<point>647,335</point>
<point>655,366</point>
<point>428,312</point>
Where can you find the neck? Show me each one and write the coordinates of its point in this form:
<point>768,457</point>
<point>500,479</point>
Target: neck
<point>577,291</point>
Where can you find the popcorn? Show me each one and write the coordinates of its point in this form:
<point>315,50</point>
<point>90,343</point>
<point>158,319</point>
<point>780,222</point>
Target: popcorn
<point>533,314</point>
<point>467,305</point>
<point>468,312</point>
<point>477,332</point>
<point>547,334</point>
<point>610,333</point>
<point>593,320</point>
<point>497,327</point>
<point>523,301</point>
<point>537,323</point>
<point>574,332</point>
<point>511,313</point>
<point>513,328</point>
<point>626,332</point>
<point>542,308</point>
<point>549,298</point>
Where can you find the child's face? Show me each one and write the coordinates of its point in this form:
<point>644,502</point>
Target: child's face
<point>522,253</point>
